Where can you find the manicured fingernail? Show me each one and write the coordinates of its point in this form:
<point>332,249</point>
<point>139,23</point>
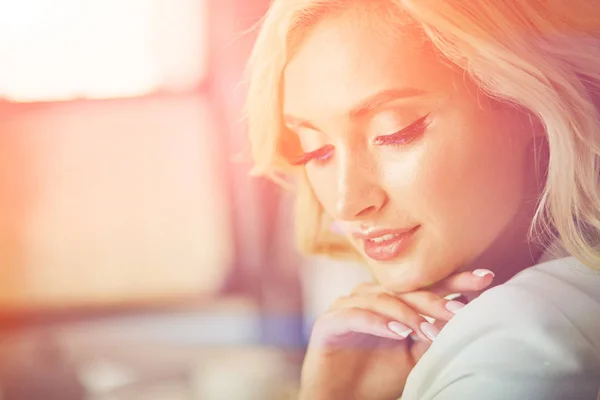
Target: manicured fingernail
<point>483,273</point>
<point>453,306</point>
<point>429,330</point>
<point>399,329</point>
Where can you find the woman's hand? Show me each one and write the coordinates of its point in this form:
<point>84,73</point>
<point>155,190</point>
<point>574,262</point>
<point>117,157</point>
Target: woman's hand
<point>367,343</point>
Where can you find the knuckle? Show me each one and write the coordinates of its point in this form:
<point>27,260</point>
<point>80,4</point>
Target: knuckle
<point>382,296</point>
<point>319,324</point>
<point>361,316</point>
<point>324,320</point>
<point>339,302</point>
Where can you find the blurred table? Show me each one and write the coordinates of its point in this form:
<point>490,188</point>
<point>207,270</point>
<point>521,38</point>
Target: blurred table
<point>212,352</point>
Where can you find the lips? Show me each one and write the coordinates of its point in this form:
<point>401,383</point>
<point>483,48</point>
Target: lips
<point>385,245</point>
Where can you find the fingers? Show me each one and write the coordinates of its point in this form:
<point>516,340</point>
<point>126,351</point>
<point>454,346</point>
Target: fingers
<point>431,304</point>
<point>385,304</point>
<point>335,326</point>
<point>463,282</point>
<point>419,347</point>
<point>396,309</point>
<point>371,310</point>
<point>419,302</point>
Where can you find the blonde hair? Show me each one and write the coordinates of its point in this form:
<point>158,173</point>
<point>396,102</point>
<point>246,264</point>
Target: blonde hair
<point>540,55</point>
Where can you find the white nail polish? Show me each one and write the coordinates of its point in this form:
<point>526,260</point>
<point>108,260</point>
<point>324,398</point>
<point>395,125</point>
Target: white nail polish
<point>483,273</point>
<point>430,330</point>
<point>399,329</point>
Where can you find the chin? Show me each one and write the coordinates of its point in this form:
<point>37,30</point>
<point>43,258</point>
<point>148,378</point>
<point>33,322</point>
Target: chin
<point>404,287</point>
<point>400,280</point>
<point>410,276</point>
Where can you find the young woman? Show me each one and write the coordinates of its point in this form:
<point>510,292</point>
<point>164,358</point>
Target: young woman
<point>455,146</point>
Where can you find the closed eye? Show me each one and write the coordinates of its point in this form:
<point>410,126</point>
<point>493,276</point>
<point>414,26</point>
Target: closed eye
<point>405,135</point>
<point>402,137</point>
<point>320,155</point>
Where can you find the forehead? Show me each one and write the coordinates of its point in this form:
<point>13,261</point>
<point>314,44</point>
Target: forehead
<point>342,60</point>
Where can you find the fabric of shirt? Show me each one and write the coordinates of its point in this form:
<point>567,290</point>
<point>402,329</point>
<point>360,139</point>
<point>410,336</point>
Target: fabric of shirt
<point>535,337</point>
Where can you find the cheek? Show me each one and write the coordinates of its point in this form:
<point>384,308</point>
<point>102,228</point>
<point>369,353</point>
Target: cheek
<point>472,192</point>
<point>323,183</point>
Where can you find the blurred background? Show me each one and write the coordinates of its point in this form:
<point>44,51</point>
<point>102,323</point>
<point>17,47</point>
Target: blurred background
<point>137,258</point>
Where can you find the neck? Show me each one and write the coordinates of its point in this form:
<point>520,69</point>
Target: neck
<point>506,264</point>
<point>512,252</point>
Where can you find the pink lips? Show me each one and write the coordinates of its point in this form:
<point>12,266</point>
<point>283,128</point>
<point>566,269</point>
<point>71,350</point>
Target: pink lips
<point>386,244</point>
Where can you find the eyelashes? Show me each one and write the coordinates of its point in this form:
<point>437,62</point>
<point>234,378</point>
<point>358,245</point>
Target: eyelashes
<point>320,156</point>
<point>405,135</point>
<point>400,138</point>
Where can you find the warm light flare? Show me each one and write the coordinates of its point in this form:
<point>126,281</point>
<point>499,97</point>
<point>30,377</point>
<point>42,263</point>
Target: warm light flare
<point>66,49</point>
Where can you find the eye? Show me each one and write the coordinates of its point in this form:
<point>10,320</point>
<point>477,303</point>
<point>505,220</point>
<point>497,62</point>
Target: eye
<point>320,156</point>
<point>405,135</point>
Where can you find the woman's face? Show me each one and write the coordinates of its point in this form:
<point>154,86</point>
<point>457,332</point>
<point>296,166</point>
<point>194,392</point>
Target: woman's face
<point>423,173</point>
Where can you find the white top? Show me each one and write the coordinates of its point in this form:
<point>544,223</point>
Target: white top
<point>536,337</point>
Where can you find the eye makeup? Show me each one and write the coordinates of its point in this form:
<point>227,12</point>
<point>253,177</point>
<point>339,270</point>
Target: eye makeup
<point>405,135</point>
<point>319,156</point>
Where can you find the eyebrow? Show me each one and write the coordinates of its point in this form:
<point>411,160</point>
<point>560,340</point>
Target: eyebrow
<point>366,106</point>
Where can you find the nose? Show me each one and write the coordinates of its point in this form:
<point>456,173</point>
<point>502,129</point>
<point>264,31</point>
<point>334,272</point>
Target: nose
<point>360,195</point>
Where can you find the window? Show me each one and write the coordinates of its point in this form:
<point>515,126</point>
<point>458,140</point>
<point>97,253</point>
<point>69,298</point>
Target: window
<point>69,49</point>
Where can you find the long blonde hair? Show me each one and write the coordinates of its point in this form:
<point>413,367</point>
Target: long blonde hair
<point>540,55</point>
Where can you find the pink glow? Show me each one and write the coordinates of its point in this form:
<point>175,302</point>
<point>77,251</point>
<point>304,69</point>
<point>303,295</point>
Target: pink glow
<point>68,49</point>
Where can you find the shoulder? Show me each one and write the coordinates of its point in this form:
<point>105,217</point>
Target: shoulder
<point>560,293</point>
<point>561,276</point>
<point>534,337</point>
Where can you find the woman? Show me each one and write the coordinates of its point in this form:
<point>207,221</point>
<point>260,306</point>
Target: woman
<point>455,146</point>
